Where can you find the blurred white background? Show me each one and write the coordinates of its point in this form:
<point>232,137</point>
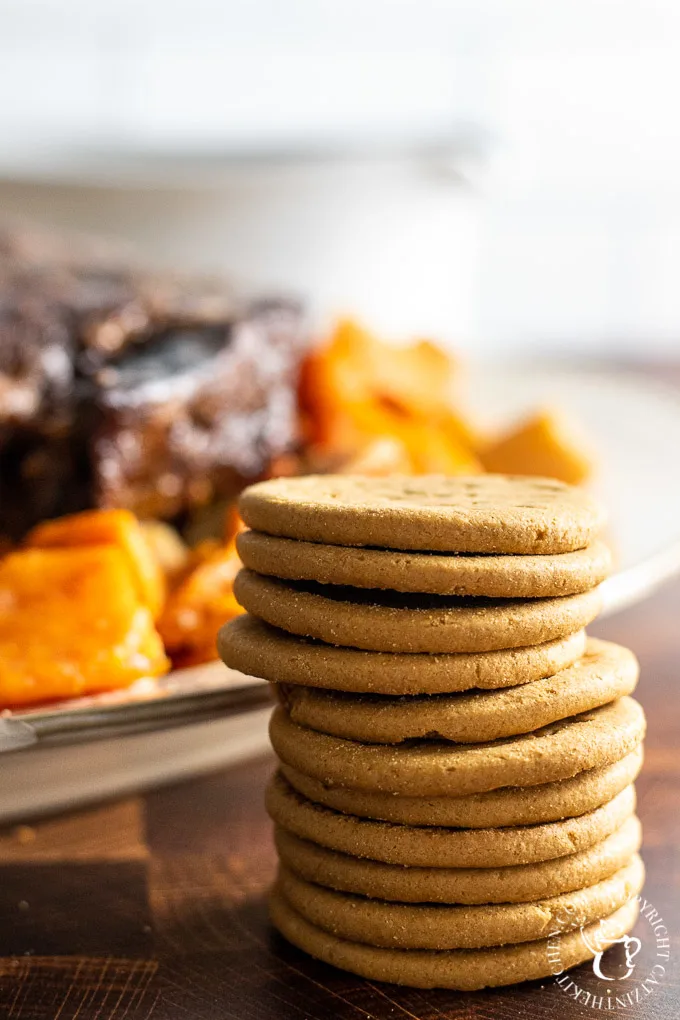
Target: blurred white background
<point>497,173</point>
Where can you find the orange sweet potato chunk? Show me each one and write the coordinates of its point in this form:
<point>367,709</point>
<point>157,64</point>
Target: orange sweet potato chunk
<point>434,452</point>
<point>418,377</point>
<point>355,367</point>
<point>431,449</point>
<point>108,527</point>
<point>356,390</point>
<point>200,604</point>
<point>167,547</point>
<point>71,623</point>
<point>542,445</point>
<point>329,385</point>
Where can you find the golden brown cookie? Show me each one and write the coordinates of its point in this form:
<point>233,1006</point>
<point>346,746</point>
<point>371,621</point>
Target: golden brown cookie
<point>253,647</point>
<point>397,622</point>
<point>513,884</point>
<point>435,768</point>
<point>496,576</point>
<point>430,847</point>
<point>605,673</point>
<point>481,513</point>
<point>510,805</point>
<point>443,926</point>
<point>461,969</point>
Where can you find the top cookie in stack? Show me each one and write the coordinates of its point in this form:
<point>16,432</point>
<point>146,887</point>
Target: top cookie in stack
<point>432,564</point>
<point>476,514</point>
<point>446,732</point>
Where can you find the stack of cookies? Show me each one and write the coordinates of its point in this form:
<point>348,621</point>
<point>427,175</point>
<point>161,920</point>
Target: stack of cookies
<point>454,805</point>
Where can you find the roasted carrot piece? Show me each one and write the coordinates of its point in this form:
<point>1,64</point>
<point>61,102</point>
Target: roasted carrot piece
<point>71,623</point>
<point>108,527</point>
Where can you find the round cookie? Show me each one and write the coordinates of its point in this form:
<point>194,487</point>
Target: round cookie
<point>509,805</point>
<point>252,646</point>
<point>429,847</point>
<point>443,926</point>
<point>480,513</point>
<point>606,672</point>
<point>511,884</point>
<point>397,622</point>
<point>431,768</point>
<point>462,970</point>
<point>496,576</point>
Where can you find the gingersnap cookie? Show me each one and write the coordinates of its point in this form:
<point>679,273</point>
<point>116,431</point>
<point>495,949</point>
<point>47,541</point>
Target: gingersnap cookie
<point>606,672</point>
<point>252,646</point>
<point>444,926</point>
<point>396,622</point>
<point>509,805</point>
<point>517,883</point>
<point>480,513</point>
<point>459,969</point>
<point>435,768</point>
<point>495,576</point>
<point>429,847</point>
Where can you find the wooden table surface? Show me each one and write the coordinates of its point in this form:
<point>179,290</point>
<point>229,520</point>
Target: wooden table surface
<point>155,907</point>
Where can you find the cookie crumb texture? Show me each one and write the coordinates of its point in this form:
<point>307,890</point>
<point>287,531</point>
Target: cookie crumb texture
<point>477,513</point>
<point>455,926</point>
<point>388,621</point>
<point>429,847</point>
<point>506,806</point>
<point>514,883</point>
<point>606,672</point>
<point>440,768</point>
<point>490,575</point>
<point>253,647</point>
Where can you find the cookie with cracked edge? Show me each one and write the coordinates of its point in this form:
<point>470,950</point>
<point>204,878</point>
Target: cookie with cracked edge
<point>459,969</point>
<point>509,805</point>
<point>438,768</point>
<point>492,575</point>
<point>435,513</point>
<point>396,622</point>
<point>254,647</point>
<point>606,672</point>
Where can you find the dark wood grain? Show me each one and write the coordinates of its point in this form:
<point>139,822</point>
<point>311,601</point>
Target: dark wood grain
<point>154,908</point>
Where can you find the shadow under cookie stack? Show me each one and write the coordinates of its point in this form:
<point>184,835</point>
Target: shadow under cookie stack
<point>454,805</point>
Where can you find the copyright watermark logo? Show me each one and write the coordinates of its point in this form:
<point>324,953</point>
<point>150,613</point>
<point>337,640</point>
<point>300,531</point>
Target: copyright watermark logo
<point>632,969</point>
